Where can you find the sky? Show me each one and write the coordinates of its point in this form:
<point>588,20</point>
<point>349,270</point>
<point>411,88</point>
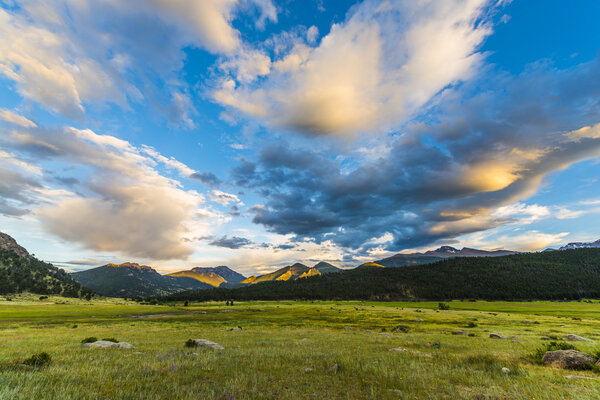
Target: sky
<point>259,133</point>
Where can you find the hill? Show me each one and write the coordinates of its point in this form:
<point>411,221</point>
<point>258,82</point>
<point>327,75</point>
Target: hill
<point>402,260</point>
<point>133,280</point>
<point>569,274</point>
<point>20,272</point>
<point>214,277</point>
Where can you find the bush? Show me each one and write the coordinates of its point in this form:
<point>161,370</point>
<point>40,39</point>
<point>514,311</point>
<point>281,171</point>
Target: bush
<point>111,340</point>
<point>471,324</point>
<point>443,306</point>
<point>190,343</point>
<point>90,339</point>
<point>552,346</point>
<point>38,360</point>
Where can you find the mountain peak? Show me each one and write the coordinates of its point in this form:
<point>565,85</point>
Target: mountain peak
<point>581,245</point>
<point>131,265</point>
<point>8,243</point>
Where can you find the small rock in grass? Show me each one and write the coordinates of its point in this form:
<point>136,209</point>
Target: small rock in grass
<point>497,336</point>
<point>203,343</point>
<point>348,328</point>
<point>575,338</point>
<point>505,370</point>
<point>568,359</point>
<point>545,338</point>
<point>384,335</point>
<point>334,368</point>
<point>307,369</point>
<point>418,320</point>
<point>399,350</point>
<point>460,333</point>
<point>105,344</point>
<point>577,377</point>
<point>236,329</point>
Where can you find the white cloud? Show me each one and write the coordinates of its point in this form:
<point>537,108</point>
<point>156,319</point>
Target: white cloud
<point>125,205</point>
<point>224,198</point>
<point>370,72</point>
<point>16,119</point>
<point>66,54</point>
<point>312,34</point>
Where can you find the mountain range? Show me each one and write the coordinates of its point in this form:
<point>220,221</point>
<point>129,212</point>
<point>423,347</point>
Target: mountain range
<point>444,252</point>
<point>134,280</point>
<point>580,245</point>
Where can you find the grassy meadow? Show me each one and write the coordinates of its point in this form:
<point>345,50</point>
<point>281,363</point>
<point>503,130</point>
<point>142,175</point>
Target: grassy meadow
<point>292,350</point>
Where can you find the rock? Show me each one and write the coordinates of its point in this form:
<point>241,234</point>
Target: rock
<point>236,329</point>
<point>497,336</point>
<point>348,328</point>
<point>575,338</point>
<point>104,344</point>
<point>545,338</point>
<point>568,359</point>
<point>528,321</point>
<point>384,335</point>
<point>418,320</point>
<point>206,343</point>
<point>399,350</point>
<point>334,368</point>
<point>577,377</point>
<point>460,333</point>
<point>307,369</point>
<point>401,328</point>
<point>505,370</point>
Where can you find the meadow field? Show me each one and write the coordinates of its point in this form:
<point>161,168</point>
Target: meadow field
<point>293,350</point>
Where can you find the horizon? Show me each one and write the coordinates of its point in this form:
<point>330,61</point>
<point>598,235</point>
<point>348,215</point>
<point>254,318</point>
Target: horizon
<point>255,134</point>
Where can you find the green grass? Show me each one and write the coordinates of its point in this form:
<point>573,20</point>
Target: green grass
<point>291,350</point>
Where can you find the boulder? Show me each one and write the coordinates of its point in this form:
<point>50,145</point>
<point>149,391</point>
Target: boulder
<point>497,336</point>
<point>568,359</point>
<point>401,328</point>
<point>205,343</point>
<point>105,344</point>
<point>575,338</point>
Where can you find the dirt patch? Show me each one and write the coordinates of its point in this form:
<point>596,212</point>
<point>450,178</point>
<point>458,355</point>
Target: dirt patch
<point>6,339</point>
<point>146,316</point>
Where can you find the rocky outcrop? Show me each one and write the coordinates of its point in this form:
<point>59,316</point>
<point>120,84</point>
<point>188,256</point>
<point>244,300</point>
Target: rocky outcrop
<point>10,244</point>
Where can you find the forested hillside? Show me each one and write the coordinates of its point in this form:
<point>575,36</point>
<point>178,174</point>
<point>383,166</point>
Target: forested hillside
<point>570,274</point>
<point>28,274</point>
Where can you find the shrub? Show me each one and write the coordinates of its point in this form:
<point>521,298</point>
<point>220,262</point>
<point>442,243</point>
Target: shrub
<point>552,346</point>
<point>443,306</point>
<point>471,324</point>
<point>38,360</point>
<point>111,340</point>
<point>90,339</point>
<point>190,343</point>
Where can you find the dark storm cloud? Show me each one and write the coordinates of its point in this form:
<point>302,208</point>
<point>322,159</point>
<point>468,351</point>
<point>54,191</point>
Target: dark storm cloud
<point>438,180</point>
<point>207,178</point>
<point>233,242</point>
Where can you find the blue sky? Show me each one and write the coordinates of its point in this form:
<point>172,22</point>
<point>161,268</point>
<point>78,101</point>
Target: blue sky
<point>256,133</point>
